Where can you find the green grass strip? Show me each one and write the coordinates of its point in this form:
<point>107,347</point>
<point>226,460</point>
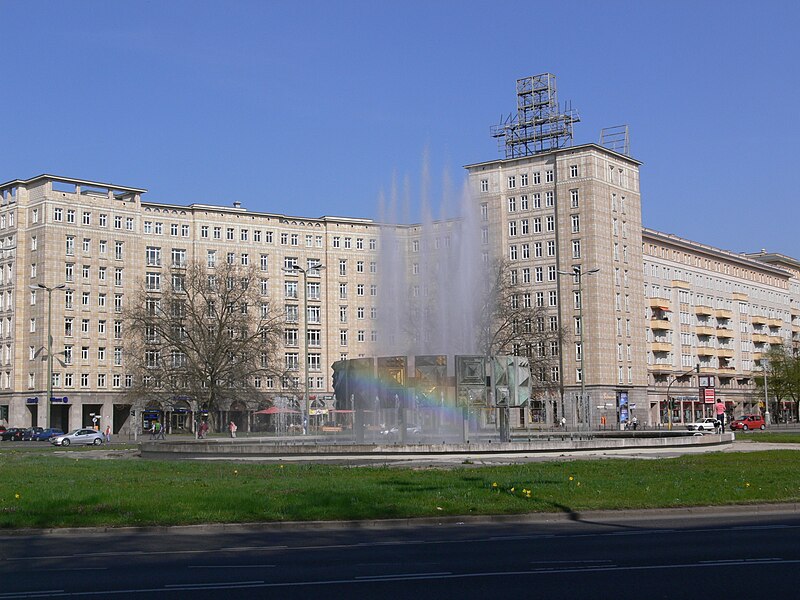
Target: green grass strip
<point>40,490</point>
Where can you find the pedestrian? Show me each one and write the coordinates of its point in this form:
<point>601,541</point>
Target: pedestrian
<point>563,422</point>
<point>154,429</point>
<point>635,423</point>
<point>232,428</point>
<point>719,408</point>
<point>107,434</point>
<point>162,431</point>
<point>203,429</point>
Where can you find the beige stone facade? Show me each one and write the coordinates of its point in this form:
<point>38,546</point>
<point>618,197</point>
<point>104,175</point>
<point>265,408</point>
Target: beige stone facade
<point>550,213</point>
<point>657,305</point>
<point>103,241</point>
<point>719,310</point>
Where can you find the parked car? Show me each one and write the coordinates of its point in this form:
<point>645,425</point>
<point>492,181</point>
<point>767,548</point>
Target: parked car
<point>46,434</point>
<point>13,434</point>
<point>79,436</point>
<point>706,424</point>
<point>30,432</point>
<point>746,422</point>
<point>394,432</point>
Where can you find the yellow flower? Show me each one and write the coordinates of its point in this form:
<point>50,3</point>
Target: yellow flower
<point>235,472</point>
<point>494,484</point>
<point>747,485</point>
<point>571,477</point>
<point>16,496</point>
<point>512,490</point>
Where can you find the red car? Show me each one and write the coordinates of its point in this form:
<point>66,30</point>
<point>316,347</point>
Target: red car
<point>746,422</point>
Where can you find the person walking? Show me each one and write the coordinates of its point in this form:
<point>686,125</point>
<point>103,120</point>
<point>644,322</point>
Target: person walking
<point>719,408</point>
<point>107,434</point>
<point>203,430</point>
<point>232,428</point>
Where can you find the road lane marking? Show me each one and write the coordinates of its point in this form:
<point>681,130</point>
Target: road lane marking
<point>231,566</point>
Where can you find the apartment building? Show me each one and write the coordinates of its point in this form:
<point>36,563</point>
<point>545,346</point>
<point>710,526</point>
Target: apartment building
<point>720,311</point>
<point>647,309</point>
<point>567,209</point>
<point>95,244</point>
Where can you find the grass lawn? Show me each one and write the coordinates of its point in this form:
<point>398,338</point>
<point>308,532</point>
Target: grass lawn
<point>41,490</point>
<point>786,437</point>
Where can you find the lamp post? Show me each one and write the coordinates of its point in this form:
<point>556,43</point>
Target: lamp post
<point>49,290</point>
<point>312,268</point>
<point>578,274</point>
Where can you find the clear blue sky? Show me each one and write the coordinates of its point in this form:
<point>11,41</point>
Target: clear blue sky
<point>311,108</point>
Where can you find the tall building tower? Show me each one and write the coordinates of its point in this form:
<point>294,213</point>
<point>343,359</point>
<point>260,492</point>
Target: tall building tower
<point>550,209</point>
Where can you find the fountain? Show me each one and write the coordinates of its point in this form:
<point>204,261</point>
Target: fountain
<point>431,380</point>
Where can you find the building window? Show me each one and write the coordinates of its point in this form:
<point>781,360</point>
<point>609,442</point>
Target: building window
<point>576,248</point>
<point>573,170</point>
<point>576,223</point>
<point>512,182</point>
<point>548,176</point>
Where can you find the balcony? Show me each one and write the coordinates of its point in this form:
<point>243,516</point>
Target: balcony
<point>740,297</point>
<point>661,346</point>
<point>760,338</point>
<point>757,356</point>
<point>702,309</point>
<point>723,313</point>
<point>706,351</point>
<point>725,352</point>
<point>661,303</point>
<point>724,333</point>
<point>795,328</point>
<point>759,319</point>
<point>660,368</point>
<point>704,330</point>
<point>660,324</point>
<point>775,323</point>
<point>776,340</point>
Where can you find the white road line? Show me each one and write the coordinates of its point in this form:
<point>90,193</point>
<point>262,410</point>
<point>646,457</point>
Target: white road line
<point>231,566</point>
<point>401,576</point>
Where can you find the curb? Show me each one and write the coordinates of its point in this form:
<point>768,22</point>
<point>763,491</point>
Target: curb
<point>753,511</point>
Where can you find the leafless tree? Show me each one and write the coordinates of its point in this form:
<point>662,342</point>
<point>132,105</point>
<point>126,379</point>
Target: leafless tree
<point>206,336</point>
<point>515,323</point>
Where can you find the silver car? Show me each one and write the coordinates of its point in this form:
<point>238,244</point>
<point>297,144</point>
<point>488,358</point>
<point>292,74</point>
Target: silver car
<point>79,436</point>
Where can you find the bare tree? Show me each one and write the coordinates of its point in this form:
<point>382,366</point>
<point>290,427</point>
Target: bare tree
<point>206,336</point>
<point>515,323</point>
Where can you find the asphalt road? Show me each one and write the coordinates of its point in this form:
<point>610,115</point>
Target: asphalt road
<point>697,553</point>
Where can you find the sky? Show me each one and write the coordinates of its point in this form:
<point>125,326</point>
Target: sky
<point>321,107</point>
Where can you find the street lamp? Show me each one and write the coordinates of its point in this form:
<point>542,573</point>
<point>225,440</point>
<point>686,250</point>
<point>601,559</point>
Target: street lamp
<point>49,290</point>
<point>311,269</point>
<point>578,274</point>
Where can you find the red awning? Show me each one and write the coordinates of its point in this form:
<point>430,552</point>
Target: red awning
<point>274,410</point>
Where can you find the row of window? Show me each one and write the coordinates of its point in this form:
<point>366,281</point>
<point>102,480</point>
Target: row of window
<point>69,380</point>
<point>523,251</point>
<point>59,215</point>
<point>86,300</point>
<point>86,247</point>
